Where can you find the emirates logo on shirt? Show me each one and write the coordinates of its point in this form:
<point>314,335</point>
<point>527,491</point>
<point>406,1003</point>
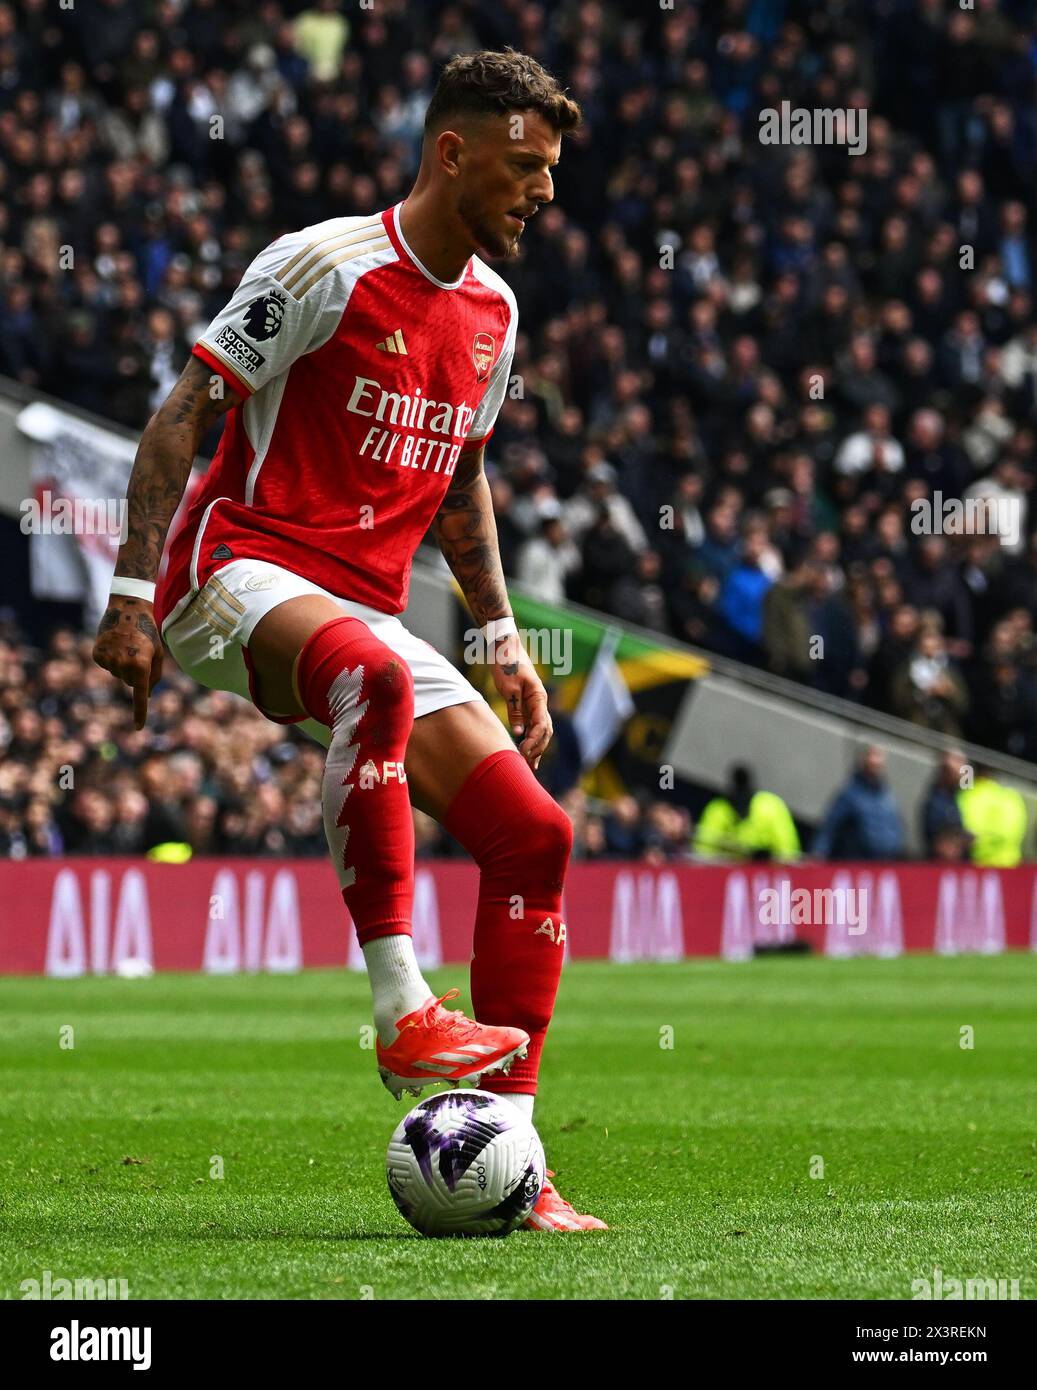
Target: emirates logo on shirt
<point>483,350</point>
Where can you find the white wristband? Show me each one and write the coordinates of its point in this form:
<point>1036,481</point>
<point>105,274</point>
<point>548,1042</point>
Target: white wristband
<point>133,588</point>
<point>497,628</point>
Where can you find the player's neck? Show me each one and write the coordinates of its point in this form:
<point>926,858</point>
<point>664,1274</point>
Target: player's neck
<point>441,244</point>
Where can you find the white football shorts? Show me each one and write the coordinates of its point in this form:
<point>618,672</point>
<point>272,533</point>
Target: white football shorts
<point>207,637</point>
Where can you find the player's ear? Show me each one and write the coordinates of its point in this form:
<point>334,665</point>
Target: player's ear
<point>449,147</point>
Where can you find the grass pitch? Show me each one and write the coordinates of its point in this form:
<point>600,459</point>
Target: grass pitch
<point>699,1154</point>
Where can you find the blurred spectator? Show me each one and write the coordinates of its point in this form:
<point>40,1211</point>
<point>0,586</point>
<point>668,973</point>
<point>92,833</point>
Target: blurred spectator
<point>546,561</point>
<point>1004,493</point>
<point>926,690</point>
<point>932,583</point>
<point>1004,713</point>
<point>863,821</point>
<point>950,844</point>
<point>667,830</point>
<point>624,831</point>
<point>744,590</point>
<point>995,817</point>
<point>787,630</point>
<point>746,823</point>
<point>598,494</point>
<point>872,449</point>
<point>321,33</point>
<point>942,827</point>
<point>89,824</point>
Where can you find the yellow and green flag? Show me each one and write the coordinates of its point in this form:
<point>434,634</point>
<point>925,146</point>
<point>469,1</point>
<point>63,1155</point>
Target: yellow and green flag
<point>623,690</point>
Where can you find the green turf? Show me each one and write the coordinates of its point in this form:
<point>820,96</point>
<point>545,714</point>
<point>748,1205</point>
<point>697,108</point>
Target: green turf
<point>698,1156</point>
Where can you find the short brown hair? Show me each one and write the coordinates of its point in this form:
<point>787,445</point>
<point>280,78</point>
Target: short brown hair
<point>491,83</point>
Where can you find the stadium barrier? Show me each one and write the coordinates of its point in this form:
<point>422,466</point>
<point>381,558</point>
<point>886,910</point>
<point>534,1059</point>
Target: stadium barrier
<point>99,916</point>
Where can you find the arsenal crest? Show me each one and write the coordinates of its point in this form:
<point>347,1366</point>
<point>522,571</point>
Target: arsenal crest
<point>483,349</point>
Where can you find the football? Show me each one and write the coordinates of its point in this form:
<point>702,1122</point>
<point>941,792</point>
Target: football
<point>465,1163</point>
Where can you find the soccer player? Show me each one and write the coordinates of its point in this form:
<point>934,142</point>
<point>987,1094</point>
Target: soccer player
<point>361,363</point>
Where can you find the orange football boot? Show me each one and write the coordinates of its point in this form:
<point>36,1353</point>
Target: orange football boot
<point>553,1213</point>
<point>437,1044</point>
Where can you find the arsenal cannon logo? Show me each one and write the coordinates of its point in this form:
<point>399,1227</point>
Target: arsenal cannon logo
<point>483,349</point>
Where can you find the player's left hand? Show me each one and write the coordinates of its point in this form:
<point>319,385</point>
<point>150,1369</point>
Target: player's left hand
<point>523,693</point>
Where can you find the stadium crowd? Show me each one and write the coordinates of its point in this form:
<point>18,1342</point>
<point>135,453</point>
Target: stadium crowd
<point>207,775</point>
<point>210,775</point>
<point>742,369</point>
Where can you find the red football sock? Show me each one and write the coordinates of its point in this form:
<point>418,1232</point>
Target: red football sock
<point>351,681</point>
<point>521,839</point>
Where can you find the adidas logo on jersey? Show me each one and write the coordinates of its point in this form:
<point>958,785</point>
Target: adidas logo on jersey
<point>394,343</point>
<point>556,934</point>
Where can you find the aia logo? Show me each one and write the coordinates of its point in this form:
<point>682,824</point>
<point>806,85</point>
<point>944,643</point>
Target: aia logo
<point>483,351</point>
<point>264,316</point>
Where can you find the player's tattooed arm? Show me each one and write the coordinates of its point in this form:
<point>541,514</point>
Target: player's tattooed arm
<point>163,463</point>
<point>467,535</point>
<point>466,532</point>
<point>128,642</point>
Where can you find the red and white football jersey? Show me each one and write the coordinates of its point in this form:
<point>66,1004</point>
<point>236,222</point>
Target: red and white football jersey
<point>364,376</point>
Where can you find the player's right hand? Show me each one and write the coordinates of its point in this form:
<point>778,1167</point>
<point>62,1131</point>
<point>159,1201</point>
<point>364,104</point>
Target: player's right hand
<point>128,644</point>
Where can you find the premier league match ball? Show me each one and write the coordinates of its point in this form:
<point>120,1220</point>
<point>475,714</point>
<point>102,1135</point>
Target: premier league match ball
<point>465,1163</point>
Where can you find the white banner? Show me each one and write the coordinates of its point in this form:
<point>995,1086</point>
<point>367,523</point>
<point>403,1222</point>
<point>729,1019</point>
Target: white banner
<point>77,513</point>
<point>75,516</point>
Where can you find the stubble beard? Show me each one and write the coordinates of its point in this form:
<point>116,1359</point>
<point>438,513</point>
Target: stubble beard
<point>493,243</point>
